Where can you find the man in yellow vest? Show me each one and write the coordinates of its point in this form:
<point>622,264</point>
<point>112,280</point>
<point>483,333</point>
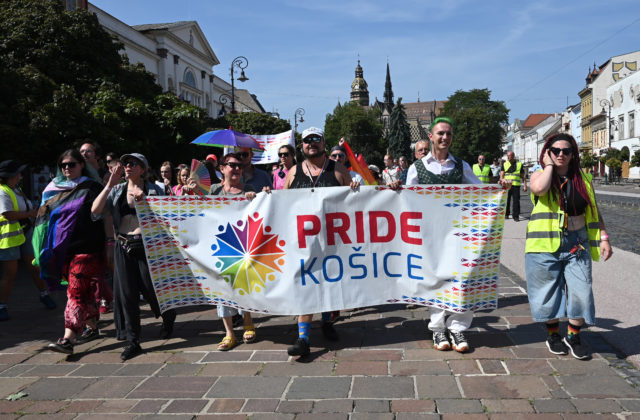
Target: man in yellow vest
<point>482,171</point>
<point>513,171</point>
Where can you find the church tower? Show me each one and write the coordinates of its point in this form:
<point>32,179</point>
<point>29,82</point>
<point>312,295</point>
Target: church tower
<point>388,93</point>
<point>359,91</point>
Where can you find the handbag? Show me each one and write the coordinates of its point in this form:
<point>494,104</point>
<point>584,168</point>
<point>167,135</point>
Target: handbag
<point>133,246</point>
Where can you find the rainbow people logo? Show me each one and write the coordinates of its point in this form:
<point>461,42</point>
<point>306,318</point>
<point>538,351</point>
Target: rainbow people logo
<point>248,254</point>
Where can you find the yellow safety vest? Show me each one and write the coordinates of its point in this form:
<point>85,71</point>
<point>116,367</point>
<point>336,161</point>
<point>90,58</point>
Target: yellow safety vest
<point>10,232</point>
<point>482,174</point>
<point>544,230</point>
<point>514,176</point>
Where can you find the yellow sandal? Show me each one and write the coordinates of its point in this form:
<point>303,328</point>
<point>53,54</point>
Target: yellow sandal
<point>227,343</point>
<point>249,335</point>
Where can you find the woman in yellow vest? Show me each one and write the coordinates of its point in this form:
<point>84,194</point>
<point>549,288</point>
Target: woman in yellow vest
<point>16,213</point>
<point>564,234</point>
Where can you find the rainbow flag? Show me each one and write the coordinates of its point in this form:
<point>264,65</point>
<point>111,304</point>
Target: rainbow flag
<point>359,165</point>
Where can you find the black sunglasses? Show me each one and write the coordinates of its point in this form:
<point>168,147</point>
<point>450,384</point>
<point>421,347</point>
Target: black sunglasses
<point>565,150</point>
<point>243,154</point>
<point>70,165</point>
<point>131,163</point>
<point>283,154</point>
<point>311,139</point>
<point>233,165</point>
<point>337,155</point>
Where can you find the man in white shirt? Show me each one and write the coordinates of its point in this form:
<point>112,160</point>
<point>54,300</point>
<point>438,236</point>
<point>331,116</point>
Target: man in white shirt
<point>391,171</point>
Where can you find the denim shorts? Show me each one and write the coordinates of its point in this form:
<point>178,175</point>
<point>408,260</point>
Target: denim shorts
<point>559,283</point>
<point>21,251</point>
<point>224,311</point>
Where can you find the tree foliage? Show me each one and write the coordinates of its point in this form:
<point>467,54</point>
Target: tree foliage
<point>252,123</point>
<point>361,127</point>
<point>635,160</point>
<point>588,160</point>
<point>477,124</point>
<point>399,136</point>
<point>63,80</point>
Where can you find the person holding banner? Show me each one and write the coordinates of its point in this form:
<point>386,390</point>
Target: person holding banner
<point>287,156</point>
<point>131,274</point>
<point>339,154</point>
<point>441,167</point>
<point>317,170</point>
<point>251,175</point>
<point>565,233</point>
<point>232,185</point>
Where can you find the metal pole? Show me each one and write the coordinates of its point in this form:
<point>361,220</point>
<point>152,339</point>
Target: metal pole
<point>240,62</point>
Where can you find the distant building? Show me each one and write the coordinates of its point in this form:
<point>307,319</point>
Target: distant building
<point>624,96</point>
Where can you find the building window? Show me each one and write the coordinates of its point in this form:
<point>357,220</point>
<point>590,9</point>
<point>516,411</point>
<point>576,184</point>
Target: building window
<point>621,127</point>
<point>632,124</point>
<point>189,79</point>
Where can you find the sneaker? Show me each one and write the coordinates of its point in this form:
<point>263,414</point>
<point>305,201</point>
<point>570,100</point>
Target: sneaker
<point>440,341</point>
<point>556,345</point>
<point>459,341</point>
<point>329,332</point>
<point>578,350</point>
<point>48,302</point>
<point>299,348</point>
<point>4,314</point>
<point>89,334</point>
<point>131,350</point>
<point>516,219</point>
<point>63,345</point>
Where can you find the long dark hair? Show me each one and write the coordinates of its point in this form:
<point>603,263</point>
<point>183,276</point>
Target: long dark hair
<point>574,172</point>
<point>75,154</point>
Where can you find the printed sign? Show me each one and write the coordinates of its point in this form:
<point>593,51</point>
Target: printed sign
<point>271,144</point>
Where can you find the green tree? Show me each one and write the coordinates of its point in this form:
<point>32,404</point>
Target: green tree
<point>477,123</point>
<point>588,160</point>
<point>360,127</point>
<point>635,160</point>
<point>399,136</point>
<point>252,123</point>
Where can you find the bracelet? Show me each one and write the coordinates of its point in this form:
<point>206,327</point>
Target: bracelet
<point>604,237</point>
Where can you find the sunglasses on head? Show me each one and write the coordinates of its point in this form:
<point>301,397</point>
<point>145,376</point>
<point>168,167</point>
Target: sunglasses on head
<point>233,165</point>
<point>70,165</point>
<point>283,154</point>
<point>565,150</point>
<point>337,155</point>
<point>243,154</point>
<point>311,139</point>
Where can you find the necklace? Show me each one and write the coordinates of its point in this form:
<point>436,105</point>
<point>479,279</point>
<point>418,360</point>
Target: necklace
<point>324,166</point>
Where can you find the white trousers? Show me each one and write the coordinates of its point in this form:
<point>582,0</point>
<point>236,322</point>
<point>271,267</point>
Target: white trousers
<point>455,322</point>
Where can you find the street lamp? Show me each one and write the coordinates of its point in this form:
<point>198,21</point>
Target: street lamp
<point>299,113</point>
<point>224,100</point>
<point>603,103</point>
<point>240,62</point>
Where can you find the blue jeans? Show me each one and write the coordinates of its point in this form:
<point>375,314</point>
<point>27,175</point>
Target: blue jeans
<point>559,283</point>
<point>224,311</point>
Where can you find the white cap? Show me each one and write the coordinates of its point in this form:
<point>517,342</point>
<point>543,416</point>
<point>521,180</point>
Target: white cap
<point>312,131</point>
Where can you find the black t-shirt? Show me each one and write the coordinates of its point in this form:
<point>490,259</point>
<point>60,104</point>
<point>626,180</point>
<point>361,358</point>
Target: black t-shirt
<point>88,236</point>
<point>326,178</point>
<point>575,203</point>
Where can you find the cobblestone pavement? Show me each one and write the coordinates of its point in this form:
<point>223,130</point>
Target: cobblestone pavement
<point>383,368</point>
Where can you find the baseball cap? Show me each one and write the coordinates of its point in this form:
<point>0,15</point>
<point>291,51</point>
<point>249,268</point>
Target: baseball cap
<point>339,148</point>
<point>10,168</point>
<point>312,131</point>
<point>138,156</point>
<point>212,157</point>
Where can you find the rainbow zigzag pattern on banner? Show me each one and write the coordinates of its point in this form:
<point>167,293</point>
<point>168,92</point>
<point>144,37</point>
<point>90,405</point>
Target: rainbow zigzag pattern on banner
<point>176,281</point>
<point>474,284</point>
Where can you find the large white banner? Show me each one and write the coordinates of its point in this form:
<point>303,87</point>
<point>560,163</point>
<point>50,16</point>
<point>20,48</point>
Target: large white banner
<point>271,144</point>
<point>314,250</point>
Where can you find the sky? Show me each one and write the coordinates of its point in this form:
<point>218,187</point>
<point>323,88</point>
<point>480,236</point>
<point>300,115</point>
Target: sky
<point>532,55</point>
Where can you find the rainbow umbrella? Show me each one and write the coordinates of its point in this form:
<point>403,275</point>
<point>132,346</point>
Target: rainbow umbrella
<point>227,138</point>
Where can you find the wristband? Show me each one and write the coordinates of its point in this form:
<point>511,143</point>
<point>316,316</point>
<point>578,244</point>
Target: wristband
<point>604,237</point>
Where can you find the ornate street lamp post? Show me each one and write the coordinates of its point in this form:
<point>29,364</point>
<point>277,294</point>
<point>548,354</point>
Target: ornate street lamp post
<point>240,62</point>
<point>299,113</point>
<point>224,100</point>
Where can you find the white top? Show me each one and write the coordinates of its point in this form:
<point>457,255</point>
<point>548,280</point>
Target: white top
<point>390,175</point>
<point>433,165</point>
<point>6,204</point>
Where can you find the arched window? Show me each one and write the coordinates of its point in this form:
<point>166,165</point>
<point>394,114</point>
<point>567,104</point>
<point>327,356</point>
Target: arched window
<point>189,79</point>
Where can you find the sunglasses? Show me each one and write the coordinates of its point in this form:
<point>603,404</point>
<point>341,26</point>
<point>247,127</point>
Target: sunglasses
<point>337,155</point>
<point>311,139</point>
<point>70,165</point>
<point>243,154</point>
<point>283,154</point>
<point>565,150</point>
<point>131,163</point>
<point>233,165</point>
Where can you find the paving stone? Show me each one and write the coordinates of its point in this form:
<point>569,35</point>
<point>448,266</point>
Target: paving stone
<point>495,387</point>
<point>295,407</point>
<point>57,388</point>
<point>42,407</point>
<point>372,416</point>
<point>227,356</point>
<point>605,386</point>
<point>507,405</point>
<point>58,416</point>
<point>528,367</point>
<point>269,356</point>
<point>16,370</point>
<point>261,405</point>
<point>492,367</point>
<point>464,367</point>
<point>111,387</point>
<point>13,358</point>
<point>230,369</point>
<point>297,369</point>
<point>413,406</point>
<point>369,355</point>
<point>383,387</point>
<point>490,353</point>
<point>45,358</point>
<point>371,406</point>
<point>96,370</point>
<point>13,406</point>
<point>50,370</point>
<point>185,406</point>
<point>416,416</point>
<point>410,368</point>
<point>101,357</point>
<point>584,405</point>
<point>180,369</point>
<point>630,405</point>
<point>553,406</point>
<point>332,406</point>
<point>226,405</point>
<point>446,405</point>
<point>533,353</point>
<point>148,406</point>
<point>437,387</point>
<point>248,387</point>
<point>322,416</point>
<point>580,367</point>
<point>526,416</point>
<point>362,368</point>
<point>176,387</point>
<point>429,353</point>
<point>464,416</point>
<point>319,388</point>
<point>10,386</point>
<point>187,357</point>
<point>138,369</point>
<point>82,406</point>
<point>570,416</point>
<point>115,406</point>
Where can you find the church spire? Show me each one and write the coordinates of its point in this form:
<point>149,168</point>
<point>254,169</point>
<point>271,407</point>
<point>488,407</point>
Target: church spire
<point>359,88</point>
<point>388,93</point>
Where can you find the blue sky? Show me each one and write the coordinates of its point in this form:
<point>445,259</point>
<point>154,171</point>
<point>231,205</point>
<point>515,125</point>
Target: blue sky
<point>532,55</point>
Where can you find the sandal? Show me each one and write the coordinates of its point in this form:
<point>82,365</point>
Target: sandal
<point>249,335</point>
<point>227,343</point>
